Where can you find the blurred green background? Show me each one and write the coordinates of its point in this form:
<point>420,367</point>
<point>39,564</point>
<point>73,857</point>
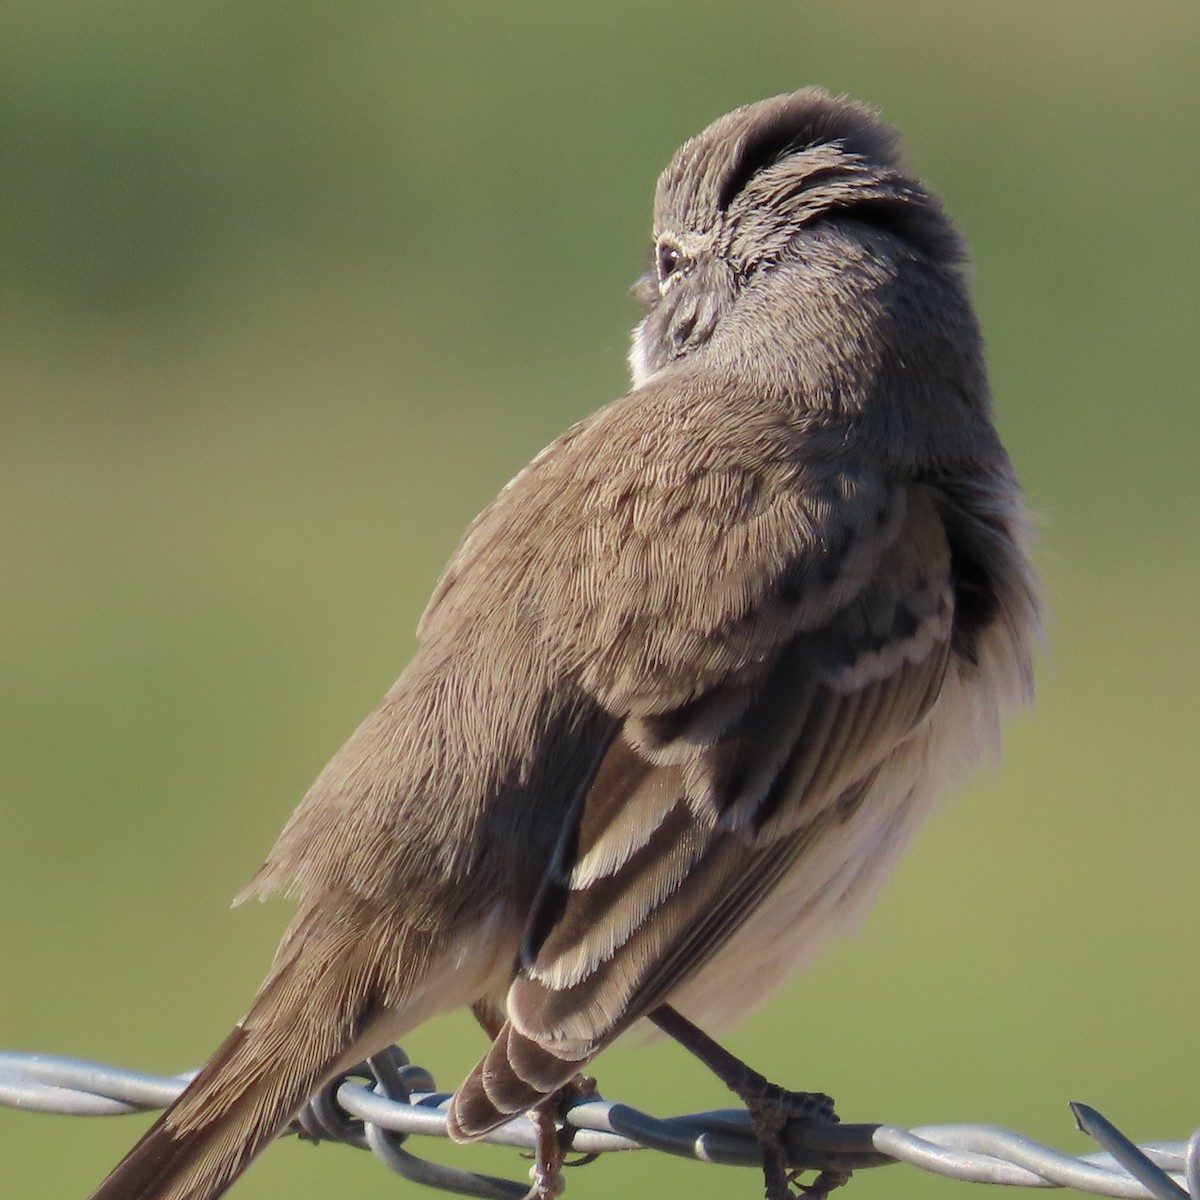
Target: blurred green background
<point>288,292</point>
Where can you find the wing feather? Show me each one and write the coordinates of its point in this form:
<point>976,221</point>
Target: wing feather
<point>695,825</point>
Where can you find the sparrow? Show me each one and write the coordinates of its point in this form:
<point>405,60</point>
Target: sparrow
<point>688,685</point>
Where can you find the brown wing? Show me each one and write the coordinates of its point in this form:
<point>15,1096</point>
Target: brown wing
<point>699,810</point>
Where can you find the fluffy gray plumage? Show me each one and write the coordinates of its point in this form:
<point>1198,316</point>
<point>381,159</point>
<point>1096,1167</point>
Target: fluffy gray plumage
<point>688,684</point>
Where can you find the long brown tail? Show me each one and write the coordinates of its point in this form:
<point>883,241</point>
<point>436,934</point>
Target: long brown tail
<point>317,1013</point>
<point>209,1136</point>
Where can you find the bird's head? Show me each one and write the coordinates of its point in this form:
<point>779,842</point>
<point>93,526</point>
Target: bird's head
<point>738,199</point>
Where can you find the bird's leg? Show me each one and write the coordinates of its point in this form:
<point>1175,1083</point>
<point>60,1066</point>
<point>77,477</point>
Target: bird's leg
<point>490,1018</point>
<point>553,1142</point>
<point>548,1182</point>
<point>770,1106</point>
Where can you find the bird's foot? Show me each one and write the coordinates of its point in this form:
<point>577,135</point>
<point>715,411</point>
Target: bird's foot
<point>772,1108</point>
<point>554,1139</point>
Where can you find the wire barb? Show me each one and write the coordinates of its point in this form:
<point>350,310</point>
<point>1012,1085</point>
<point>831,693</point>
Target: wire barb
<point>381,1104</point>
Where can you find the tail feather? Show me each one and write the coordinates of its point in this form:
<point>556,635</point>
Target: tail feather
<point>203,1142</point>
<point>344,998</point>
<point>516,1074</point>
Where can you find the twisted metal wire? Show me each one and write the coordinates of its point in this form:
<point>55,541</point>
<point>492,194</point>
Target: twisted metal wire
<point>380,1104</point>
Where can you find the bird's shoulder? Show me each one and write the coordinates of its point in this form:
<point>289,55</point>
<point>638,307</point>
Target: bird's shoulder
<point>685,506</point>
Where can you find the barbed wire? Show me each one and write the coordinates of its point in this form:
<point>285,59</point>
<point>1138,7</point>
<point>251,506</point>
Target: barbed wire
<point>379,1105</point>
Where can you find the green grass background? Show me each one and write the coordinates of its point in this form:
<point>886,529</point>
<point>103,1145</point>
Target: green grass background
<point>288,292</point>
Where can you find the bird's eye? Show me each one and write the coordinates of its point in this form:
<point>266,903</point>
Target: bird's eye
<point>668,260</point>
